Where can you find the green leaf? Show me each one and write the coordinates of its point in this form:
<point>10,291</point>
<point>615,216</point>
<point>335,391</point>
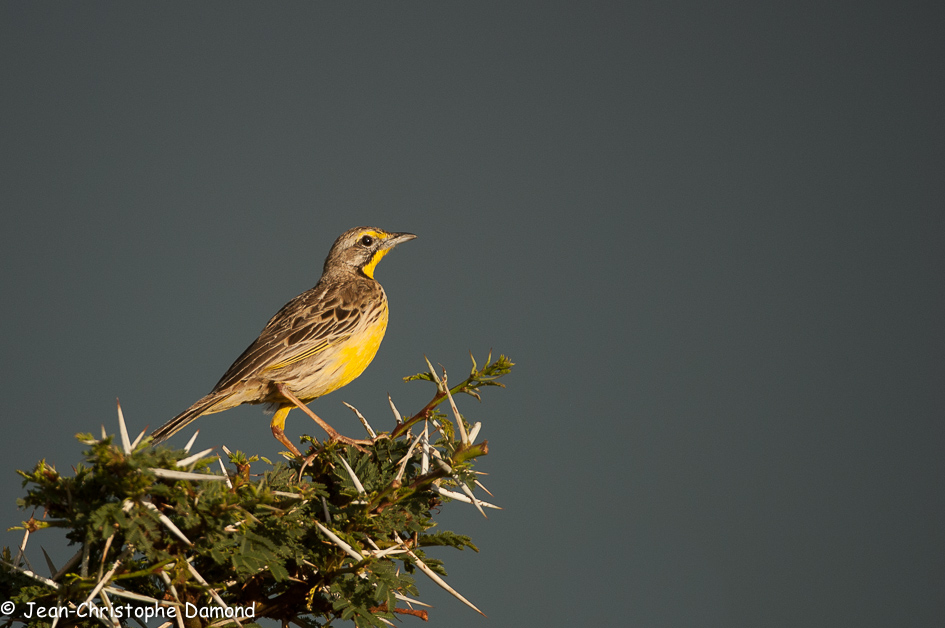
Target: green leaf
<point>254,542</point>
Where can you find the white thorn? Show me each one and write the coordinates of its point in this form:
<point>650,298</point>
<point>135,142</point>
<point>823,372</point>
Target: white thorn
<point>425,458</point>
<point>30,574</point>
<point>232,527</point>
<point>406,458</point>
<point>437,579</point>
<point>194,458</point>
<point>186,475</point>
<point>213,593</point>
<point>354,478</point>
<point>105,578</point>
<point>138,440</point>
<point>393,409</point>
<point>474,432</point>
<point>222,468</point>
<point>26,537</point>
<point>168,523</point>
<point>364,422</point>
<point>439,384</point>
<point>463,436</point>
<point>337,541</point>
<point>483,487</point>
<point>462,498</point>
<point>108,544</point>
<point>410,600</point>
<point>190,443</point>
<point>442,465</point>
<point>469,493</point>
<point>108,605</point>
<point>125,442</point>
<point>170,587</point>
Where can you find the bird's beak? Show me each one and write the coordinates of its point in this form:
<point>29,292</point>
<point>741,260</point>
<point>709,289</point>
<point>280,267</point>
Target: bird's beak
<point>397,238</point>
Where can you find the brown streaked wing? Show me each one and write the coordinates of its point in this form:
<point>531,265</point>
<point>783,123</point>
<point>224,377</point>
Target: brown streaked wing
<point>295,333</point>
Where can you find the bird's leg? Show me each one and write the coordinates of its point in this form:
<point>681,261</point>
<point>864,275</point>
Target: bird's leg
<point>332,432</point>
<point>278,424</point>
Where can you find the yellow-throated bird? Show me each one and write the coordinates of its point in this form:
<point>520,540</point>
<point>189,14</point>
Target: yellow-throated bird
<point>318,342</point>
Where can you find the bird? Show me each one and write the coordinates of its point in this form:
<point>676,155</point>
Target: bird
<point>318,342</point>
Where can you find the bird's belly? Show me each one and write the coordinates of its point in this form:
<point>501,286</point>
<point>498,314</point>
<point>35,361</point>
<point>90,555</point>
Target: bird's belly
<point>344,362</point>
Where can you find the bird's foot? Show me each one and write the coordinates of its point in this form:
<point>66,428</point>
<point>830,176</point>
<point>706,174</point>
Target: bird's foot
<point>333,434</point>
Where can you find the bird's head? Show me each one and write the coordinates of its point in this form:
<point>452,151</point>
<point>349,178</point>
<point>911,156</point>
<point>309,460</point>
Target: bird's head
<point>362,248</point>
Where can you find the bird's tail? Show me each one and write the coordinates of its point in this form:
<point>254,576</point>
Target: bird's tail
<point>185,418</point>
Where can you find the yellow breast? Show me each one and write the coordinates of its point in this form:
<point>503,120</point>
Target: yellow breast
<point>354,355</point>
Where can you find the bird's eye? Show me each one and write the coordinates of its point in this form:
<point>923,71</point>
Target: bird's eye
<point>367,240</point>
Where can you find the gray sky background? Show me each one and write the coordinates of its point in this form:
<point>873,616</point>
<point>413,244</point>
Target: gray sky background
<point>709,234</point>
